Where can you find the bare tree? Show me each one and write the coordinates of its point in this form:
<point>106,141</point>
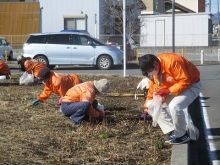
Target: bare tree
<point>114,16</point>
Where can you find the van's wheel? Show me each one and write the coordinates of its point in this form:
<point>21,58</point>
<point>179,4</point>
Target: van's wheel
<point>104,62</point>
<point>42,59</point>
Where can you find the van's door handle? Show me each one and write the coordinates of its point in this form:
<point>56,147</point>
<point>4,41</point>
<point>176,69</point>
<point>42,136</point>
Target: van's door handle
<point>74,47</point>
<point>68,47</point>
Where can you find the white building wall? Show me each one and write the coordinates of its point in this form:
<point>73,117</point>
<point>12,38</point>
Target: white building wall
<point>54,10</point>
<point>191,4</point>
<point>190,30</point>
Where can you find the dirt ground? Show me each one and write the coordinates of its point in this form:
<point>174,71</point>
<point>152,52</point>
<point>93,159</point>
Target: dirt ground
<point>41,135</point>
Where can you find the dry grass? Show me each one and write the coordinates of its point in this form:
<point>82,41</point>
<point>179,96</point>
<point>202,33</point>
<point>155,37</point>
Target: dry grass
<point>41,135</point>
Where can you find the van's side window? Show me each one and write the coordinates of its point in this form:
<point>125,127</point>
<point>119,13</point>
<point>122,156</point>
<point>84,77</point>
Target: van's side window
<point>74,39</point>
<point>59,39</point>
<point>83,40</point>
<point>41,39</point>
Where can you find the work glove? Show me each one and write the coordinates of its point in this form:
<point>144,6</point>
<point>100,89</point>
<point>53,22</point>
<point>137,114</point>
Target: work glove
<point>35,102</point>
<point>95,103</point>
<point>60,100</point>
<point>163,92</point>
<point>144,116</point>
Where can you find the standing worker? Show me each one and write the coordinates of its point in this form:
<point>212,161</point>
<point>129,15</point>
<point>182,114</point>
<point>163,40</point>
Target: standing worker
<point>176,80</point>
<point>54,82</point>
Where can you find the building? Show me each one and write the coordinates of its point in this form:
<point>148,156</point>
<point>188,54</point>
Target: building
<point>191,29</point>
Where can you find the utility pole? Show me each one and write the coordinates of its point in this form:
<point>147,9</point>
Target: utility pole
<point>124,35</point>
<point>173,25</point>
<point>218,12</point>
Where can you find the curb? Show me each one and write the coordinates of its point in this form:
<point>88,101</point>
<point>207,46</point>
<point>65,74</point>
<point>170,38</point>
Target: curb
<point>179,154</point>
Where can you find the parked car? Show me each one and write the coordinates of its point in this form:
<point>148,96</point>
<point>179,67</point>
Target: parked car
<point>71,48</point>
<point>118,42</point>
<point>2,57</point>
<point>5,47</point>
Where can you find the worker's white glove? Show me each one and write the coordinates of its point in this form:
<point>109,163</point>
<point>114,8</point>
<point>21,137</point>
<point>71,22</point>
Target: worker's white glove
<point>143,84</point>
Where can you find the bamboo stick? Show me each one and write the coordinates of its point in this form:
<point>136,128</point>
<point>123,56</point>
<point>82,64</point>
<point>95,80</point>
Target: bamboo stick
<point>123,94</point>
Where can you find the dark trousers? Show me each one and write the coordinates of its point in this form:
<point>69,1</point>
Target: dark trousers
<point>76,111</point>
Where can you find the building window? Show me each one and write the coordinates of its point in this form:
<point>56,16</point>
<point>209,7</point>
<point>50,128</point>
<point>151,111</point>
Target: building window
<point>75,22</point>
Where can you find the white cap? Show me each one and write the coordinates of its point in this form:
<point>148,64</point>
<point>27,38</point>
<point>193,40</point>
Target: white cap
<point>102,85</point>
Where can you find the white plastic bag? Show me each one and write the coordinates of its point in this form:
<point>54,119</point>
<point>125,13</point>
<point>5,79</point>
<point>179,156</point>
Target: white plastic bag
<point>3,77</point>
<point>155,108</point>
<point>100,107</point>
<point>192,130</point>
<point>26,79</point>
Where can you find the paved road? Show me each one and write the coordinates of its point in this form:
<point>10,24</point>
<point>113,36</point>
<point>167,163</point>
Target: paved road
<point>204,111</point>
<point>210,77</point>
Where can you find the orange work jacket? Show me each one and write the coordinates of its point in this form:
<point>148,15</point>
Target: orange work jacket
<point>4,69</point>
<point>176,74</point>
<point>59,84</point>
<point>83,92</point>
<point>34,66</point>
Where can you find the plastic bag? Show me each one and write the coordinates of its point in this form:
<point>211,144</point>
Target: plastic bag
<point>26,79</point>
<point>192,130</point>
<point>2,77</point>
<point>100,107</point>
<point>155,108</point>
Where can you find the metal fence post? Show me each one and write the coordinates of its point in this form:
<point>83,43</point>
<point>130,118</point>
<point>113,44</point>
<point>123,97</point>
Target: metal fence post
<point>182,52</point>
<point>136,55</point>
<point>6,56</point>
<point>202,56</point>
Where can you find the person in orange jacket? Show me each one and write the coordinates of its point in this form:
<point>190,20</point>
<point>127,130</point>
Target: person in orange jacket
<point>4,70</point>
<point>31,66</point>
<point>54,83</point>
<point>177,81</point>
<point>80,101</point>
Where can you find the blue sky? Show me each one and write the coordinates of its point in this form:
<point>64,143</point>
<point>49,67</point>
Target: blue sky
<point>214,6</point>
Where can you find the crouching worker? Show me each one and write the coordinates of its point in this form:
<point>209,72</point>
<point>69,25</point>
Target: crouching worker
<point>177,81</point>
<point>54,83</point>
<point>31,66</point>
<point>79,100</point>
<point>5,72</point>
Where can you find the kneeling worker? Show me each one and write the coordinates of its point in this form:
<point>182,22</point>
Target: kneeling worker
<point>79,100</point>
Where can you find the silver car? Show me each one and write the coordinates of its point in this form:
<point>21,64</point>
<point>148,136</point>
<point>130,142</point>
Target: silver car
<point>6,48</point>
<point>71,48</point>
<point>2,57</point>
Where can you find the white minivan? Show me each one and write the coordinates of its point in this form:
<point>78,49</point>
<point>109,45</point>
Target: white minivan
<point>71,48</point>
